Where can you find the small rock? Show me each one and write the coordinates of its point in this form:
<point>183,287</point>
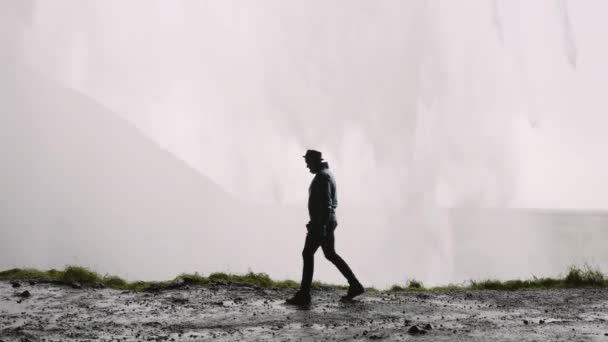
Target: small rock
<point>526,322</point>
<point>542,321</point>
<point>15,284</point>
<point>25,294</point>
<point>377,337</point>
<point>178,300</point>
<point>32,282</point>
<point>414,330</point>
<point>407,322</point>
<point>75,285</point>
<point>428,326</point>
<point>152,324</point>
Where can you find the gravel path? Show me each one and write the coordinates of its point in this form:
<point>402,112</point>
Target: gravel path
<point>237,313</point>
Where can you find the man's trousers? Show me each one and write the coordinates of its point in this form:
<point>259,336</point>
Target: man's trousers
<point>327,244</point>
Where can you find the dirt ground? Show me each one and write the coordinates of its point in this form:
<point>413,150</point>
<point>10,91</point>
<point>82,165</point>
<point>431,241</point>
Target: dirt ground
<point>237,313</point>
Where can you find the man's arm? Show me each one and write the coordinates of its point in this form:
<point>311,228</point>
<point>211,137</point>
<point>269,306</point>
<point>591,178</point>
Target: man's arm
<point>325,202</point>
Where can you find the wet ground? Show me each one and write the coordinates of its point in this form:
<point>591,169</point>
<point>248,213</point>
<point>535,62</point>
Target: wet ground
<point>236,313</point>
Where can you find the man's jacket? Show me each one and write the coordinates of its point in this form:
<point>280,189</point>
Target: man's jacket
<point>322,198</point>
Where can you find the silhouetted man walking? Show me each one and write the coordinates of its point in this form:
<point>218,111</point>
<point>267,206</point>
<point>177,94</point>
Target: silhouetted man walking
<point>322,204</point>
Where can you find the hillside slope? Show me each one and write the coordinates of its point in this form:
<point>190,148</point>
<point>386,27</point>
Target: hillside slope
<point>81,185</point>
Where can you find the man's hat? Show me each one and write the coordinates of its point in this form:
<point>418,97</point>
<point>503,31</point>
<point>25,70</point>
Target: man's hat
<point>314,155</point>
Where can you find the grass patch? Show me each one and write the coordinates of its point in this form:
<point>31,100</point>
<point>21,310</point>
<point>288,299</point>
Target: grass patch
<point>30,273</point>
<point>250,278</point>
<point>411,285</point>
<point>115,282</point>
<point>372,290</point>
<point>81,275</point>
<point>321,285</point>
<point>587,277</point>
<point>576,277</point>
<point>84,277</point>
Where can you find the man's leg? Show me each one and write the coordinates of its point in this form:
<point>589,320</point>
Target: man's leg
<point>308,254</point>
<point>329,250</point>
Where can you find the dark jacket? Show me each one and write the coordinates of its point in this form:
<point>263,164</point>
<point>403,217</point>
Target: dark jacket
<point>322,198</point>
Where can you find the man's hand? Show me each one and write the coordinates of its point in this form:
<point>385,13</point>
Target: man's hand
<point>318,230</point>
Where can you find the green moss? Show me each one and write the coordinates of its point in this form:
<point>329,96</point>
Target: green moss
<point>54,274</point>
<point>81,275</point>
<point>320,285</point>
<point>415,285</point>
<point>219,277</point>
<point>449,287</point>
<point>258,279</point>
<point>286,284</point>
<point>411,285</point>
<point>115,282</point>
<point>140,285</point>
<point>30,273</point>
<point>397,288</point>
<point>255,279</point>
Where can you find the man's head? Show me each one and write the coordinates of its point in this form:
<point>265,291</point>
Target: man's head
<point>314,160</point>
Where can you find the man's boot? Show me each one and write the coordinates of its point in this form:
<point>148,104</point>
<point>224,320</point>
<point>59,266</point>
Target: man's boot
<point>300,298</point>
<point>354,290</point>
